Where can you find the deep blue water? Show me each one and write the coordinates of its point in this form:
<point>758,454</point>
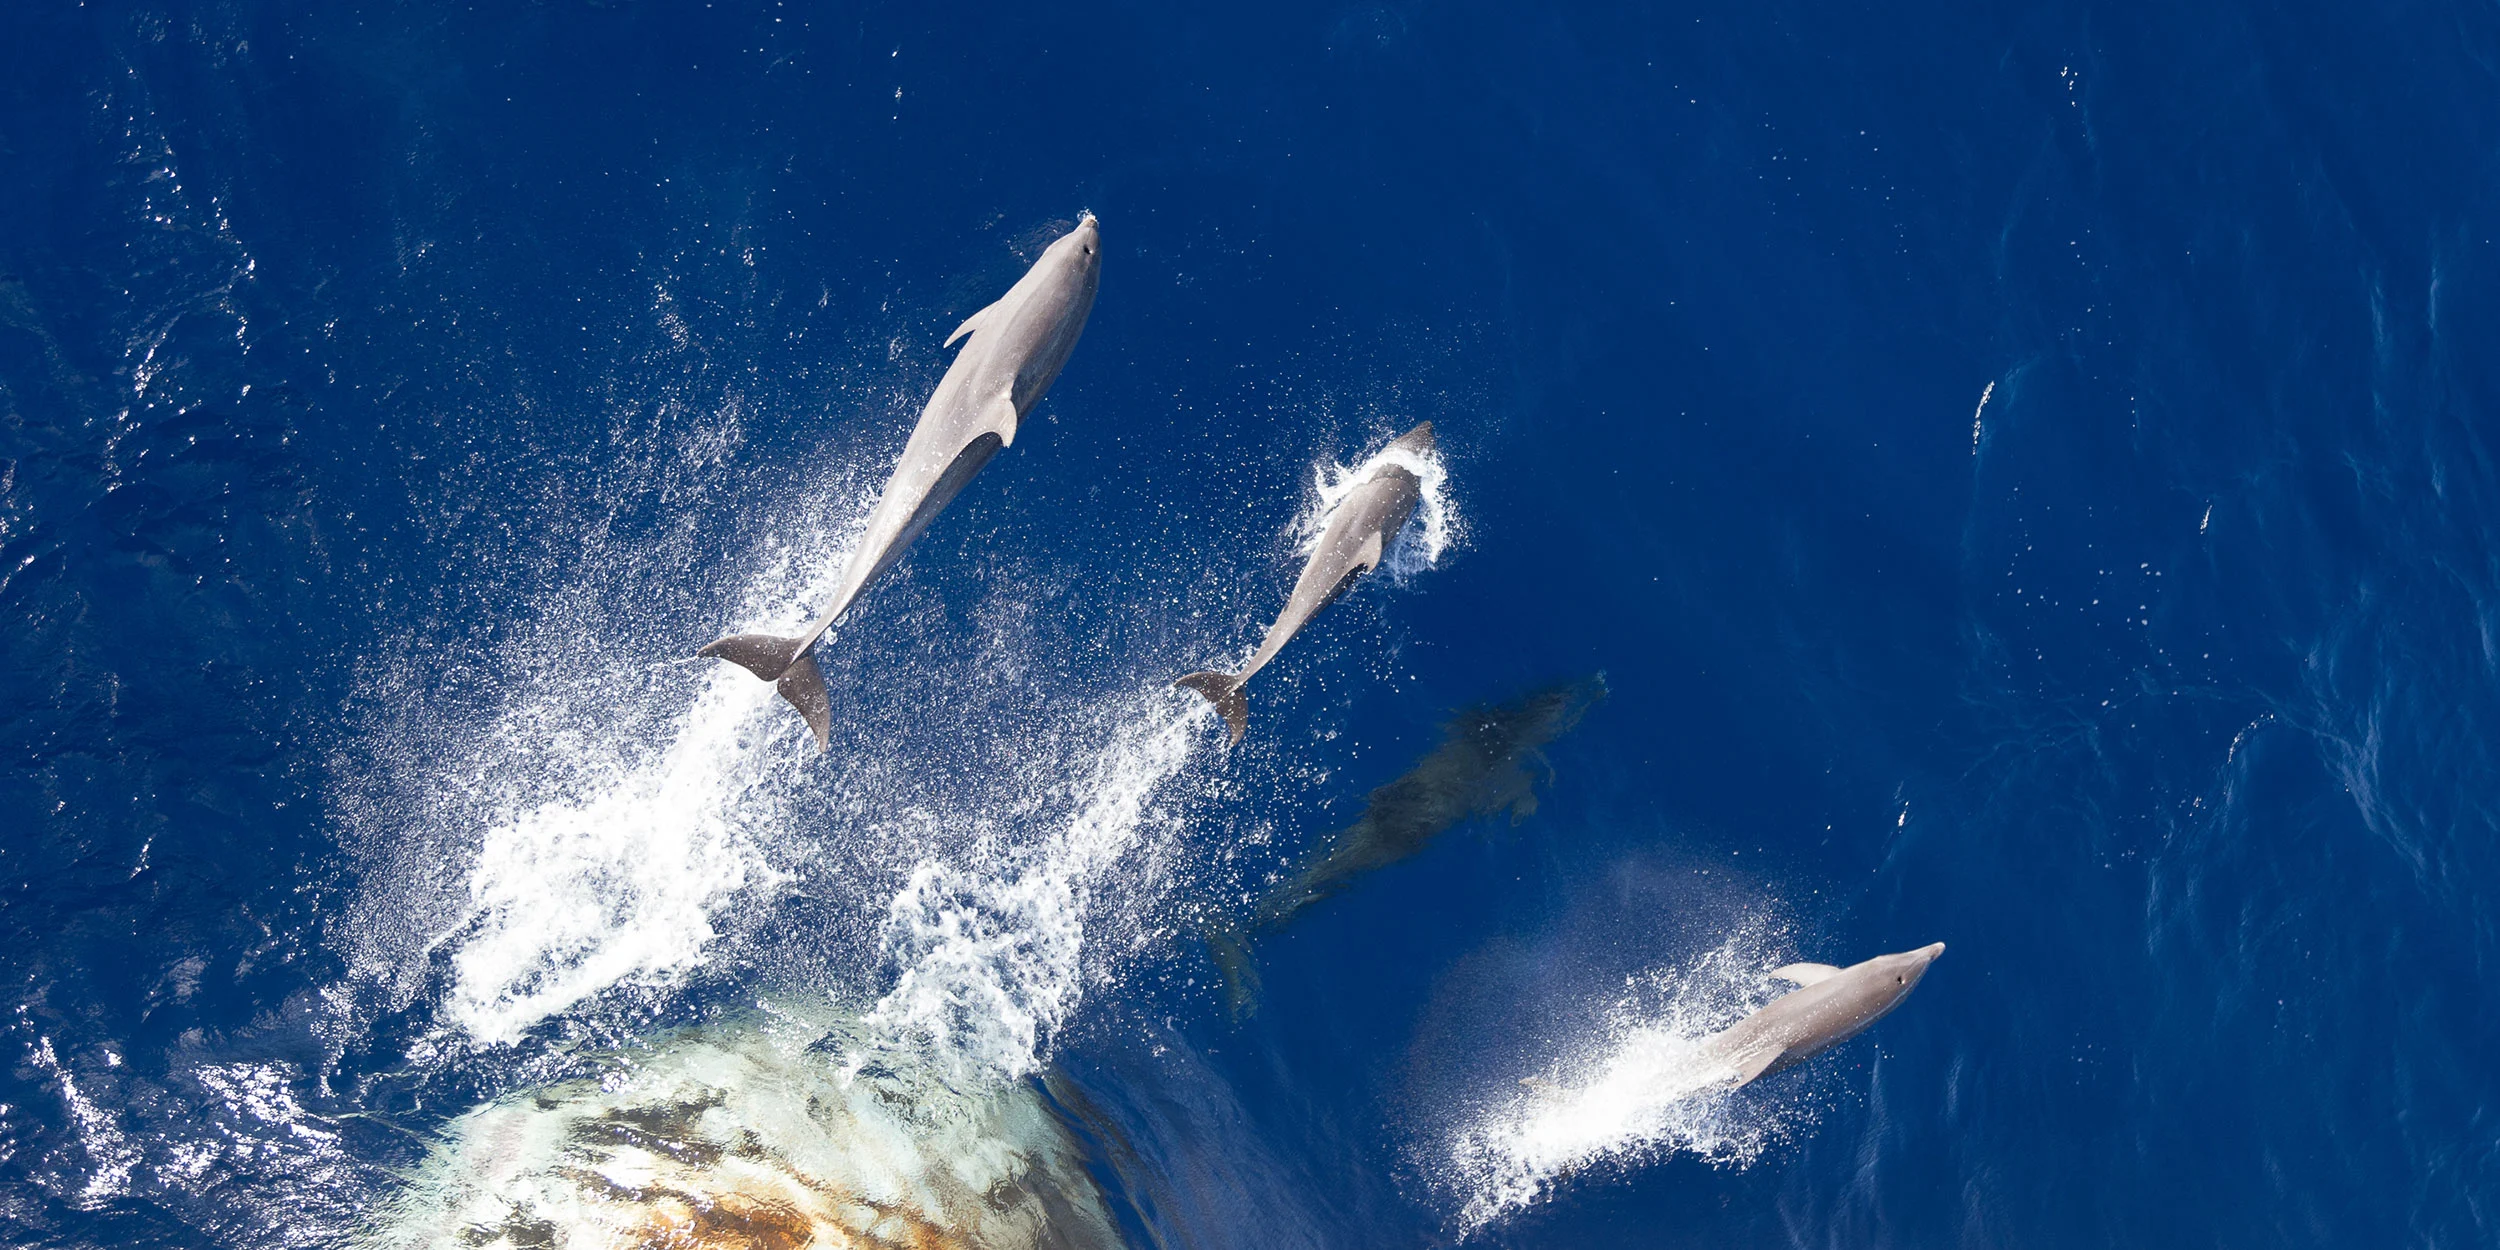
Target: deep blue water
<point>391,396</point>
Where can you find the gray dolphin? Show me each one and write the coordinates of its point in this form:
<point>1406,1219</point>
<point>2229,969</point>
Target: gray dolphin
<point>1366,521</point>
<point>1018,346</point>
<point>1830,1006</point>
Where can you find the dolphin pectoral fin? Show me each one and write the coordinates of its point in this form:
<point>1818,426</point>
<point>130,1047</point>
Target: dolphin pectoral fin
<point>1368,557</point>
<point>1000,417</point>
<point>1224,691</point>
<point>765,655</point>
<point>803,684</point>
<point>970,324</point>
<point>1753,1065</point>
<point>1806,974</point>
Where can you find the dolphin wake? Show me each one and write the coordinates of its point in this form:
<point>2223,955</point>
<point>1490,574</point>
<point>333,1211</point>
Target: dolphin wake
<point>1639,1090</point>
<point>992,962</point>
<point>619,886</point>
<point>619,806</point>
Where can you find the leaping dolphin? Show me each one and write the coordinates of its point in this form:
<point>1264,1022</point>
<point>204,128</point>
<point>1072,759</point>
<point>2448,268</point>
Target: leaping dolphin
<point>1365,523</point>
<point>1830,1006</point>
<point>1018,345</point>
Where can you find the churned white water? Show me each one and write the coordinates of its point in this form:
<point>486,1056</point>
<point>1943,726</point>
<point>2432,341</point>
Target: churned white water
<point>615,883</point>
<point>1419,546</point>
<point>1640,1089</point>
<point>603,862</point>
<point>991,954</point>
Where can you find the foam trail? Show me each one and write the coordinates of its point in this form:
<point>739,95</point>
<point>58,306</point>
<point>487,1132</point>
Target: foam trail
<point>617,877</point>
<point>1419,545</point>
<point>1641,1089</point>
<point>992,961</point>
<point>619,884</point>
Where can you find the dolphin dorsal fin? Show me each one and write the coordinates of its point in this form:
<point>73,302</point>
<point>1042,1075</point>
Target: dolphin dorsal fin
<point>1806,974</point>
<point>1755,1063</point>
<point>970,324</point>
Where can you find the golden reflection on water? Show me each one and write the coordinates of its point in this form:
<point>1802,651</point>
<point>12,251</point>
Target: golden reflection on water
<point>742,1136</point>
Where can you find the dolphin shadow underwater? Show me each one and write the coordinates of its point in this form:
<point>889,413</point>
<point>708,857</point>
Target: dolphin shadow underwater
<point>1491,760</point>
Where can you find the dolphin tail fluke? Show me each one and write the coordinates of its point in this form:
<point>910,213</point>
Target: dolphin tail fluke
<point>1224,691</point>
<point>785,663</point>
<point>803,684</point>
<point>765,655</point>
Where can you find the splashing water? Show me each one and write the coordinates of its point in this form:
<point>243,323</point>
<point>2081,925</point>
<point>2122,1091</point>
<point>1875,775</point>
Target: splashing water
<point>1419,545</point>
<point>992,960</point>
<point>618,885</point>
<point>624,807</point>
<point>602,865</point>
<point>1640,1090</point>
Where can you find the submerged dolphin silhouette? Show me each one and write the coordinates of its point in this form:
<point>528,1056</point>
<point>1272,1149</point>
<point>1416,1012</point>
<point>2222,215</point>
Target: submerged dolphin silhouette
<point>1830,1006</point>
<point>1490,760</point>
<point>1018,346</point>
<point>1366,521</point>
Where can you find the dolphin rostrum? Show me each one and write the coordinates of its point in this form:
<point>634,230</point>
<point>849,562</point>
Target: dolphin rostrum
<point>1017,348</point>
<point>1358,535</point>
<point>1830,1006</point>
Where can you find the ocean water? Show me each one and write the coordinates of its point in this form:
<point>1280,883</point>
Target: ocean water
<point>2017,477</point>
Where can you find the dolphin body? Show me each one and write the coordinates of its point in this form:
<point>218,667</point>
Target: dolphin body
<point>1490,762</point>
<point>1830,1006</point>
<point>1018,345</point>
<point>1358,535</point>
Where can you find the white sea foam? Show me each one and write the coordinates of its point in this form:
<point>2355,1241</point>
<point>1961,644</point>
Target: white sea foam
<point>1640,1089</point>
<point>991,955</point>
<point>1420,544</point>
<point>603,862</point>
<point>617,882</point>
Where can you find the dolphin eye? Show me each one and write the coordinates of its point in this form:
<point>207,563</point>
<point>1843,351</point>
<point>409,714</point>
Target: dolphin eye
<point>1896,980</point>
